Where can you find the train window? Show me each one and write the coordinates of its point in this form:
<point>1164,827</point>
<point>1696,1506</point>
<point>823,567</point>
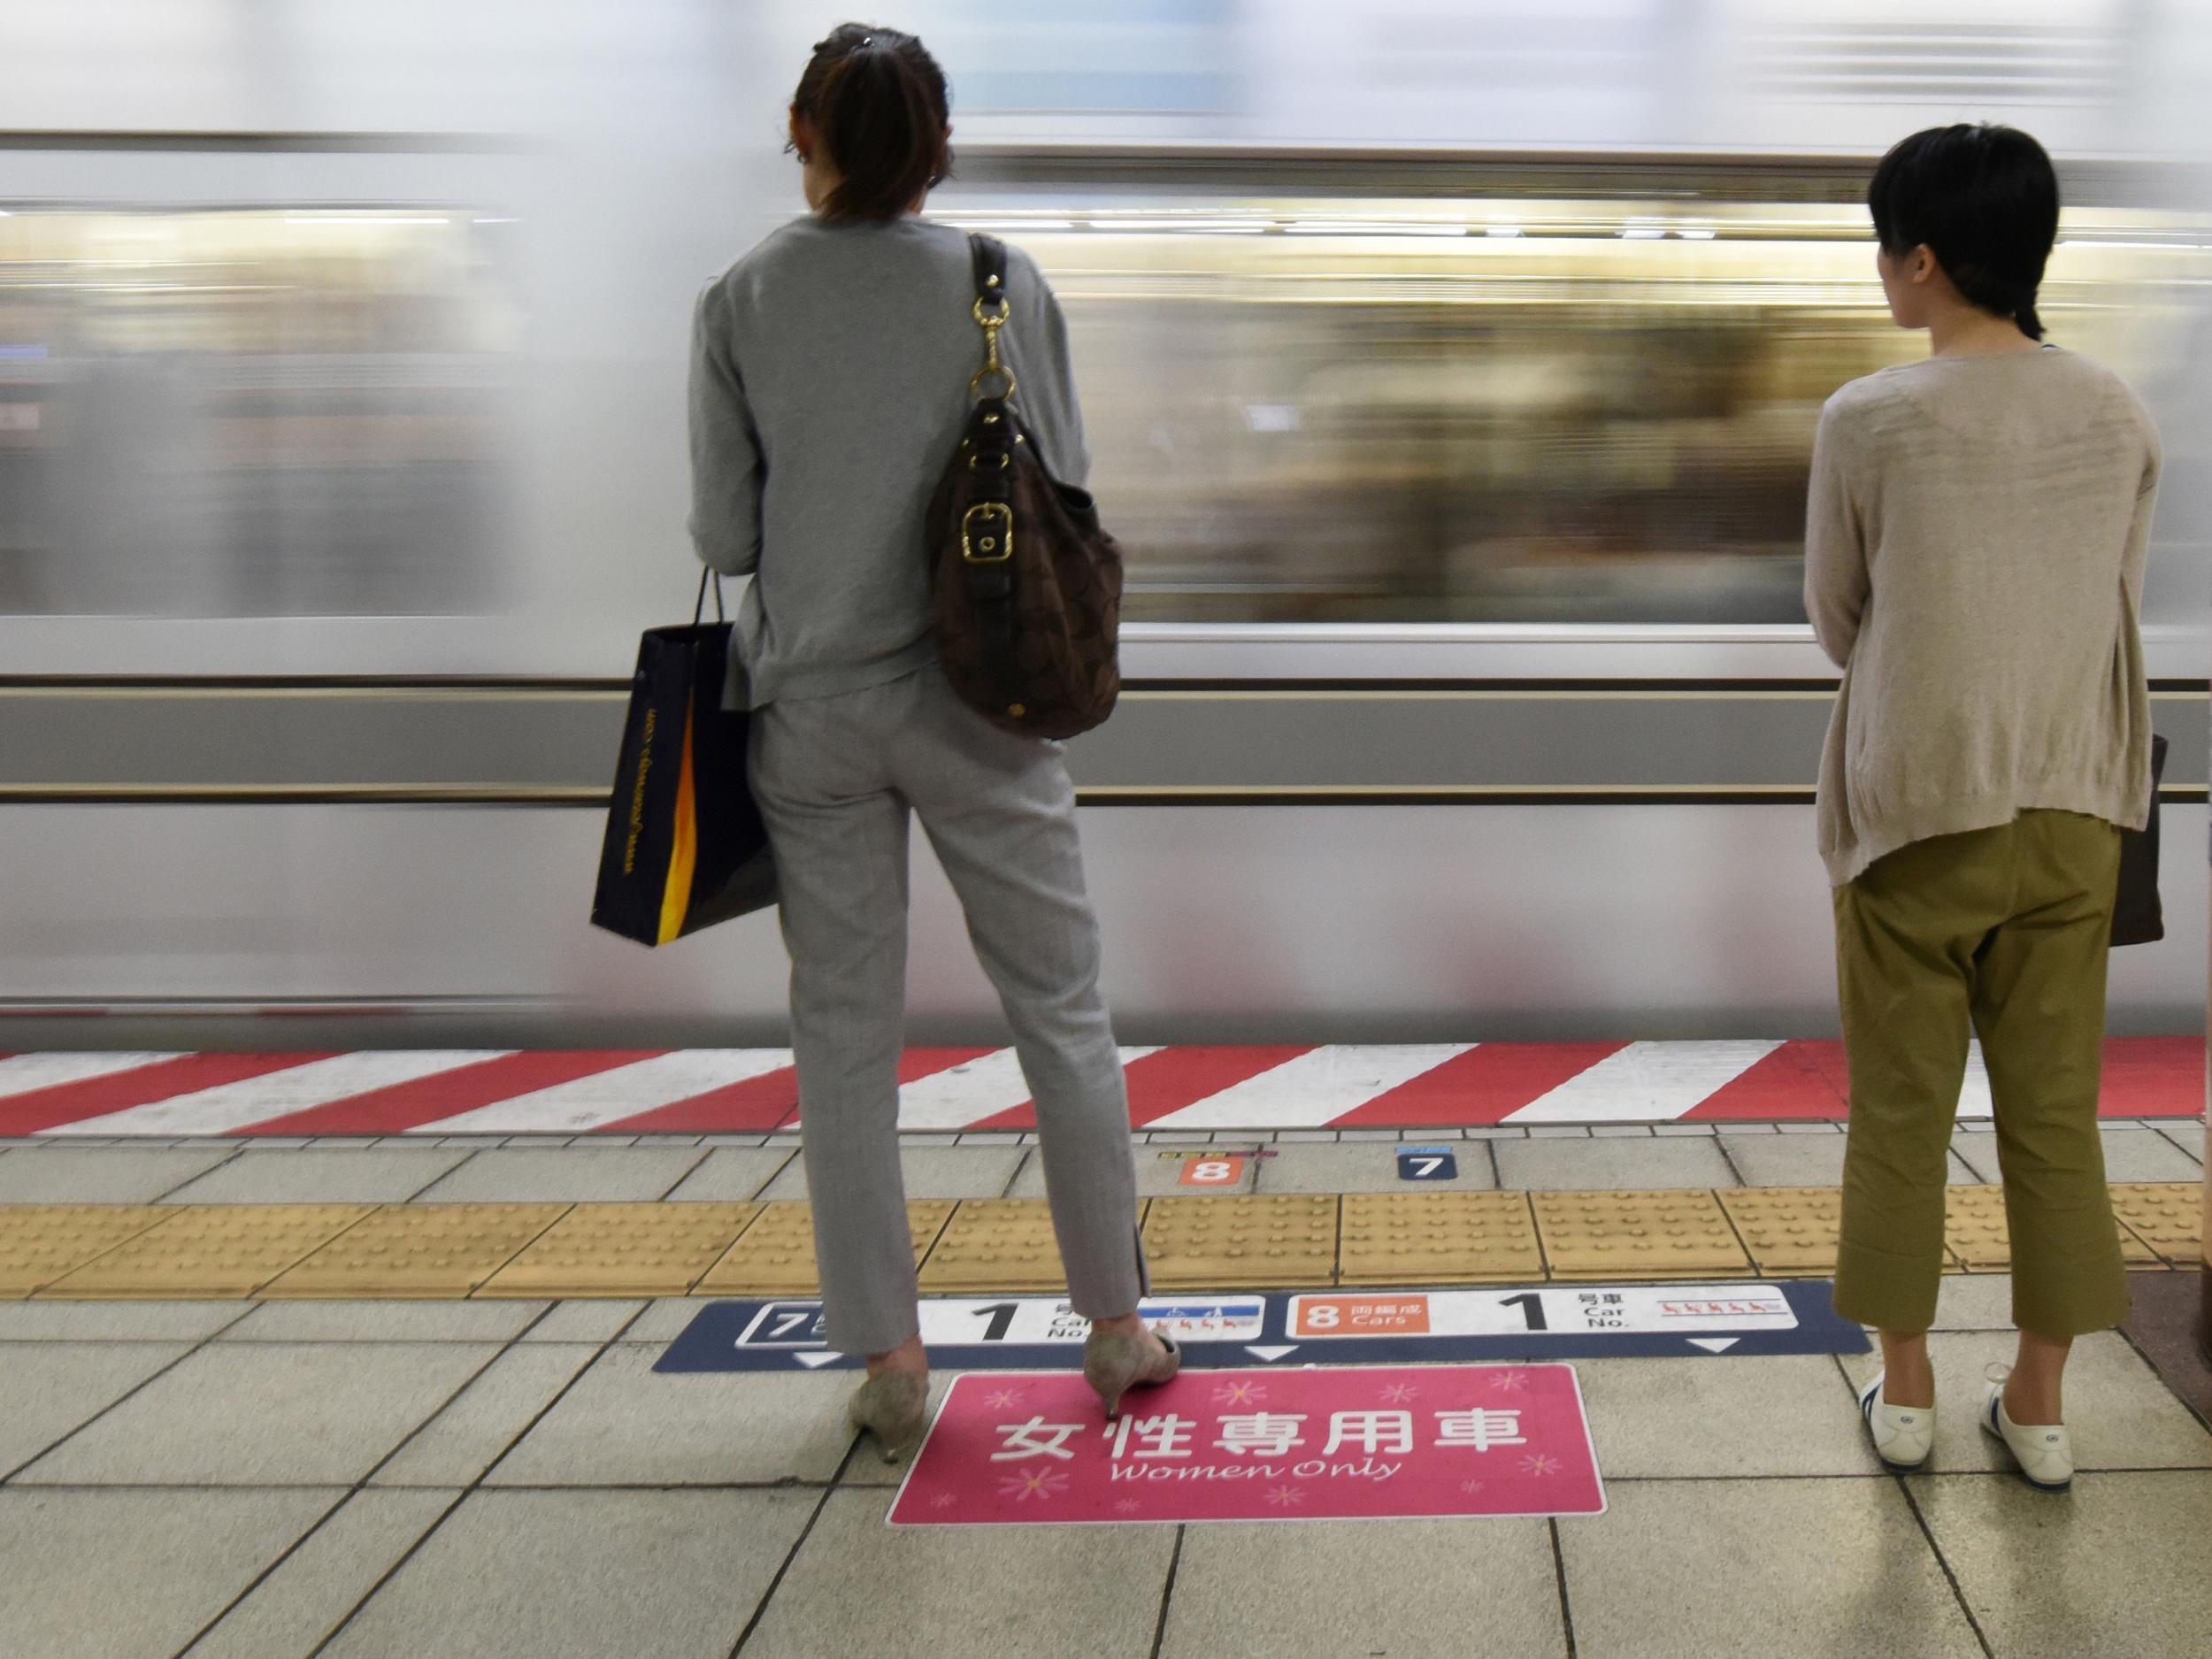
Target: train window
<point>1509,409</point>
<point>250,412</point>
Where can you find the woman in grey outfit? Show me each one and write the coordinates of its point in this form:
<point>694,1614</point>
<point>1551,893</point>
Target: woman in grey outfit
<point>829,382</point>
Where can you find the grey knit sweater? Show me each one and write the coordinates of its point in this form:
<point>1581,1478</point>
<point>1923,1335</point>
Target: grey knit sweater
<point>1974,553</point>
<point>829,383</point>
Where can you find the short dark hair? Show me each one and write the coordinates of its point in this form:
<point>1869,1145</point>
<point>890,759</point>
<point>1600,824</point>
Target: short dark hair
<point>880,102</point>
<point>1984,201</point>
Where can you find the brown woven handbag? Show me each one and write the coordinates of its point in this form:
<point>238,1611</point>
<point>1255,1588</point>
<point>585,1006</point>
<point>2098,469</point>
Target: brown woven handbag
<point>1026,584</point>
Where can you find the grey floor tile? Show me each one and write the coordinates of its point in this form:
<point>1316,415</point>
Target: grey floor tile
<point>1785,1160</point>
<point>588,1319</point>
<point>931,1173</point>
<point>240,1414</point>
<point>1354,1588</point>
<point>1366,1168</point>
<point>1974,1301</point>
<point>583,1575</point>
<point>665,1318</point>
<point>318,1178</point>
<point>49,1388</point>
<point>2119,1415</point>
<point>2189,1137</point>
<point>1769,1415</point>
<point>133,1574</point>
<point>98,1175</point>
<point>2115,1569</point>
<point>1159,1169</point>
<point>731,1175</point>
<point>858,1586</point>
<point>2144,1154</point>
<point>454,1447</point>
<point>1550,1165</point>
<point>117,1321</point>
<point>551,1175</point>
<point>622,1424</point>
<point>1805,1160</point>
<point>2130,1154</point>
<point>495,1321</point>
<point>1715,1569</point>
<point>314,1587</point>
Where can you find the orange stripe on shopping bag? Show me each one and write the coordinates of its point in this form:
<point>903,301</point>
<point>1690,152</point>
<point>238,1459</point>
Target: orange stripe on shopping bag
<point>683,852</point>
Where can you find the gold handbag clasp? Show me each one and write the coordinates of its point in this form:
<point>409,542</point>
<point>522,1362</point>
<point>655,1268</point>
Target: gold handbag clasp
<point>992,321</point>
<point>987,533</point>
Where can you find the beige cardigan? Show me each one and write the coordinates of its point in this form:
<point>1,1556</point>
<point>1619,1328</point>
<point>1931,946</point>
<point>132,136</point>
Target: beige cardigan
<point>1974,551</point>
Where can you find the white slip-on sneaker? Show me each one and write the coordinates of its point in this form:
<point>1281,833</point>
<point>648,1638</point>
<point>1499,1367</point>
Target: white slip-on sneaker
<point>1902,1435</point>
<point>2044,1454</point>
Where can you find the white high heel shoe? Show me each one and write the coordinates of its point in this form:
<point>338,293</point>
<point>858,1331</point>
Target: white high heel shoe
<point>2044,1454</point>
<point>1902,1435</point>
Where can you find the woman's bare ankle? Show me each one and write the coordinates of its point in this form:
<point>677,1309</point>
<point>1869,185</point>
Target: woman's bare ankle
<point>1908,1375</point>
<point>909,1355</point>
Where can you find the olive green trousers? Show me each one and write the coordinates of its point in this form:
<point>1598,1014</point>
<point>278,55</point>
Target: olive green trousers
<point>2006,930</point>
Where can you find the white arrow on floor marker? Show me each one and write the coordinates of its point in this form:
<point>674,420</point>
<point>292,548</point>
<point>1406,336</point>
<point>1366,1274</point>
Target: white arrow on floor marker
<point>1713,1344</point>
<point>815,1362</point>
<point>1270,1354</point>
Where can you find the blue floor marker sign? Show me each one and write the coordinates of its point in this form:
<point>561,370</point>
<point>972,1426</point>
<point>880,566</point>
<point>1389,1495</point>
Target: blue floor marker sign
<point>1339,1327</point>
<point>1427,1164</point>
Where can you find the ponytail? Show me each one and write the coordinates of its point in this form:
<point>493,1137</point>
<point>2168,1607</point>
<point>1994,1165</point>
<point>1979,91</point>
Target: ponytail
<point>878,103</point>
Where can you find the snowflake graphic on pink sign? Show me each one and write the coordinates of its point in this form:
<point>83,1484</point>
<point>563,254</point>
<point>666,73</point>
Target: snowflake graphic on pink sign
<point>1286,1497</point>
<point>1003,1399</point>
<point>943,1500</point>
<point>1398,1394</point>
<point>1539,1463</point>
<point>1470,1487</point>
<point>1128,1506</point>
<point>1038,1483</point>
<point>1509,1382</point>
<point>1239,1394</point>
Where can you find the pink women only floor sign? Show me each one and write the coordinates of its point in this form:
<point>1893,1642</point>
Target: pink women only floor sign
<point>1324,1443</point>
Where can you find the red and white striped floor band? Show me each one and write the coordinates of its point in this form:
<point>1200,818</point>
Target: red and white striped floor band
<point>694,1091</point>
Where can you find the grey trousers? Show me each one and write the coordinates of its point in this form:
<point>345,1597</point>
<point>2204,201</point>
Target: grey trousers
<point>835,777</point>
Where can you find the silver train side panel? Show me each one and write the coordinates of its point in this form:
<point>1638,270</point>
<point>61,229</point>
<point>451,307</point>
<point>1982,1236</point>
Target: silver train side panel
<point>1222,923</point>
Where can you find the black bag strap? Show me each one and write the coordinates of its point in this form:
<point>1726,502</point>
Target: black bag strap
<point>699,610</point>
<point>988,530</point>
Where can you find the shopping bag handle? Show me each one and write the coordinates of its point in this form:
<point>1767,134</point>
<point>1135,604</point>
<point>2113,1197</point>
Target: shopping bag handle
<point>699,610</point>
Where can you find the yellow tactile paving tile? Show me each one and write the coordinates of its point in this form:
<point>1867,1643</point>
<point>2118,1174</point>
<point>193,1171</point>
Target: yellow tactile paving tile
<point>40,1243</point>
<point>1664,1235</point>
<point>774,1255</point>
<point>1224,1243</point>
<point>1975,1230</point>
<point>623,1250</point>
<point>2167,1216</point>
<point>1438,1238</point>
<point>419,1250</point>
<point>1790,1231</point>
<point>213,1251</point>
<point>995,1244</point>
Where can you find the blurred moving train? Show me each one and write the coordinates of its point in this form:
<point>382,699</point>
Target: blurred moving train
<point>1451,375</point>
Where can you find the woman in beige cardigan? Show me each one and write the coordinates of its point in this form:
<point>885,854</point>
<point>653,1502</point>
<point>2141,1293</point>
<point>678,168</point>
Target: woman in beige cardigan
<point>1974,563</point>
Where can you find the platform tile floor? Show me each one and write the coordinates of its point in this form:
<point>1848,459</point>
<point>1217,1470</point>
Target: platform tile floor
<point>241,1480</point>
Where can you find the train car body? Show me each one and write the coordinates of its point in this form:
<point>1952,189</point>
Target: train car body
<point>1451,372</point>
